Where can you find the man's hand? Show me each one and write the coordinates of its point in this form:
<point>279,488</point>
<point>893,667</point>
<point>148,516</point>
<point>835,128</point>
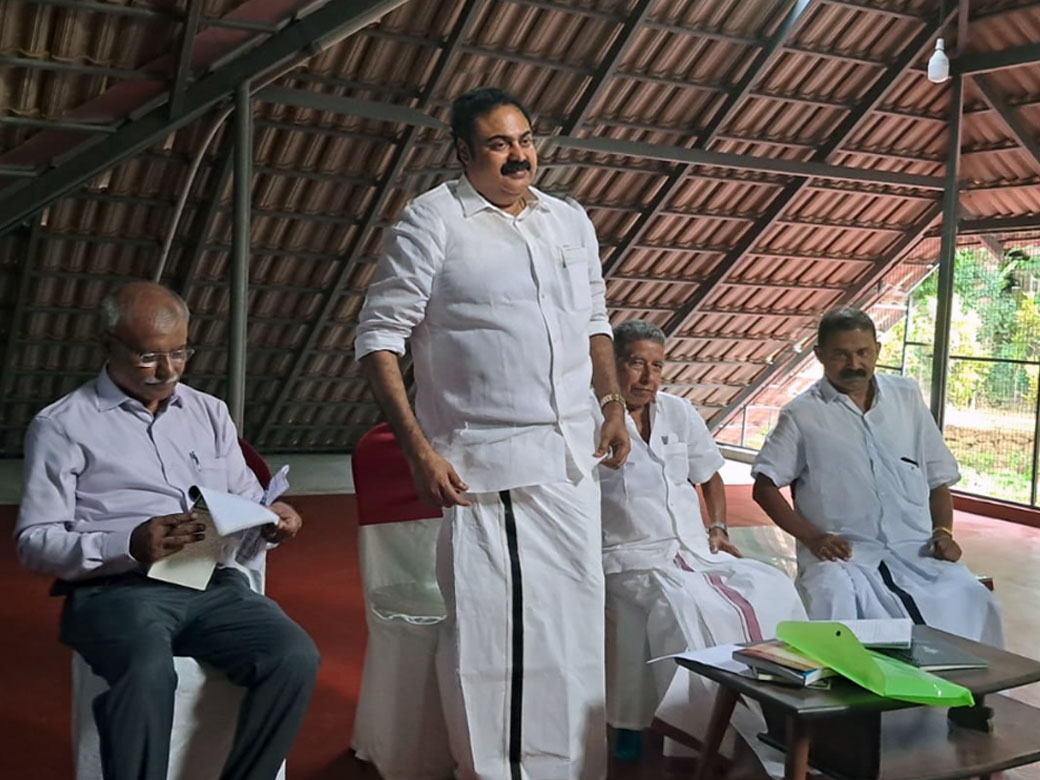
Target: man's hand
<point>829,547</point>
<point>943,547</point>
<point>718,541</point>
<point>162,536</point>
<point>613,437</point>
<point>288,525</point>
<point>436,481</point>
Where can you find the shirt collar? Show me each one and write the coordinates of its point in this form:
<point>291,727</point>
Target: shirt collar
<point>830,393</point>
<point>473,202</point>
<point>110,395</point>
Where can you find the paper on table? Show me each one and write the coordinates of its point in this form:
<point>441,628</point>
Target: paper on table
<point>719,657</point>
<point>194,564</point>
<point>882,632</point>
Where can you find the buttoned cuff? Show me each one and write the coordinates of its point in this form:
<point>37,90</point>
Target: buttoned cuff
<point>115,552</point>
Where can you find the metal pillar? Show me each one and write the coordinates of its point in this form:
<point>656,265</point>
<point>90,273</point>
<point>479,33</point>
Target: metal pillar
<point>947,253</point>
<point>240,239</point>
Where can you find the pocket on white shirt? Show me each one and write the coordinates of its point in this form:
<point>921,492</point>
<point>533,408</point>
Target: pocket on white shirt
<point>913,483</point>
<point>576,274</point>
<point>212,473</point>
<point>676,461</point>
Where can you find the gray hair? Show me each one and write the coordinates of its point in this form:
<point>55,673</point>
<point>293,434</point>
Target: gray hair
<point>627,333</point>
<point>117,304</point>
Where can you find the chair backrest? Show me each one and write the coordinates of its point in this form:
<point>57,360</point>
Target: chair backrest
<point>383,481</point>
<point>256,463</point>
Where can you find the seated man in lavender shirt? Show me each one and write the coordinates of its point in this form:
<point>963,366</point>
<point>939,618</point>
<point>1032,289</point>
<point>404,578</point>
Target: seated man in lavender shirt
<point>107,474</point>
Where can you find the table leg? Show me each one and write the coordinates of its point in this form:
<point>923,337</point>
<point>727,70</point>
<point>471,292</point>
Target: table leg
<point>721,711</point>
<point>796,765</point>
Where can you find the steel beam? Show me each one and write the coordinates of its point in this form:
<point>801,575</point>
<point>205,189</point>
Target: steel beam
<point>329,22</point>
<point>609,65</point>
<point>441,71</point>
<point>155,14</point>
<point>947,254</point>
<point>337,104</point>
<point>241,229</point>
<point>83,69</point>
<point>987,62</point>
<point>180,81</point>
<point>1018,130</point>
<point>775,165</point>
<point>57,124</point>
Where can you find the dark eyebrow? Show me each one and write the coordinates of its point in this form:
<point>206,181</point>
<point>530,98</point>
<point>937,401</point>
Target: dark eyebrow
<point>505,137</point>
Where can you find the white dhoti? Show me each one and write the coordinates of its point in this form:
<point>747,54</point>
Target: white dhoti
<point>701,602</point>
<point>940,594</point>
<point>521,658</point>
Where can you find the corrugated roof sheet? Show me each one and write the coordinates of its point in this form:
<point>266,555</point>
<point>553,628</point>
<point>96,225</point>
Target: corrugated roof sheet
<point>737,265</point>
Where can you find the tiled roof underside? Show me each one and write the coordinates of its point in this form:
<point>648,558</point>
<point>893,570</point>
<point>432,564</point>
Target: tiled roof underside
<point>736,264</point>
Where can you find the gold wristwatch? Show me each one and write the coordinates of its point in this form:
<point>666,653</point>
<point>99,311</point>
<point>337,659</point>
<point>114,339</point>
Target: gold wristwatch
<point>611,398</point>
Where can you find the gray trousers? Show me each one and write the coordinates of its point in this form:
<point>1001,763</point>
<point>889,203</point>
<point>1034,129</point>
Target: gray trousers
<point>128,631</point>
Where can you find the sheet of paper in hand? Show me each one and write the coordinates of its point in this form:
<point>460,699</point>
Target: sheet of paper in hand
<point>222,514</point>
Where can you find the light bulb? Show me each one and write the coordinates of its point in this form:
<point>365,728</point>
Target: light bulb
<point>938,64</point>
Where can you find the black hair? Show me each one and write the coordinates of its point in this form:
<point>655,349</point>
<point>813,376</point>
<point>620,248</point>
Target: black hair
<point>844,319</point>
<point>467,108</point>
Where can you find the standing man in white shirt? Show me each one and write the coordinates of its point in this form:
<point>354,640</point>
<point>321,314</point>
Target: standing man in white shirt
<point>499,290</point>
<point>870,475</point>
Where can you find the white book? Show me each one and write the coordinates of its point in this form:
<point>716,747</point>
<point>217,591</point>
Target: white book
<point>881,632</point>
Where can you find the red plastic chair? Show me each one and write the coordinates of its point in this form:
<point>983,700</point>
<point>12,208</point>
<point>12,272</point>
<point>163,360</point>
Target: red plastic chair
<point>256,463</point>
<point>399,725</point>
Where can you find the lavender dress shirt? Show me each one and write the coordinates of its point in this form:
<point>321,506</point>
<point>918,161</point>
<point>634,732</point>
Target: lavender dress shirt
<point>98,463</point>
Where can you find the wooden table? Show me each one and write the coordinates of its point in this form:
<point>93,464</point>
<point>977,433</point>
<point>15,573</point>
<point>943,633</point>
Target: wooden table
<point>849,733</point>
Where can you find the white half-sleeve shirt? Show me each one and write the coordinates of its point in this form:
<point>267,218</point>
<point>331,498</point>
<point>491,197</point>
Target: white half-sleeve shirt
<point>650,507</point>
<point>863,475</point>
<point>498,310</point>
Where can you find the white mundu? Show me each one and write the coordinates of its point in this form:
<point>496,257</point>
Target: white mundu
<point>499,310</point>
<point>867,477</point>
<point>656,558</point>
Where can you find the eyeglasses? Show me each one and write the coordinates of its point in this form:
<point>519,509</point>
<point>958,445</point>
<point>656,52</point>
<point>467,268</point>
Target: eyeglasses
<point>152,359</point>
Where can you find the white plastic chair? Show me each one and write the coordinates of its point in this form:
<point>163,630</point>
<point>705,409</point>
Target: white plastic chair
<point>399,724</point>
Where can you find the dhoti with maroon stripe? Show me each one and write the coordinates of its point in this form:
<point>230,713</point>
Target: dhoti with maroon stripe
<point>701,601</point>
<point>520,662</point>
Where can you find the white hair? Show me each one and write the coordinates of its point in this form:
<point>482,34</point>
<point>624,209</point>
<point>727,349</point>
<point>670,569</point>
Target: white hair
<point>116,305</point>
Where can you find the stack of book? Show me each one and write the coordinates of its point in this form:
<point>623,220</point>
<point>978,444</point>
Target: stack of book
<point>775,661</point>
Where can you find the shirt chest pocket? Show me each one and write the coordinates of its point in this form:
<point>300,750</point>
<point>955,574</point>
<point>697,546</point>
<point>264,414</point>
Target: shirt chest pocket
<point>577,291</point>
<point>913,482</point>
<point>212,472</point>
<point>676,461</point>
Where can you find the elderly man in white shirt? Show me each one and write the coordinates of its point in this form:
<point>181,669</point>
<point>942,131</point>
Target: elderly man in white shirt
<point>692,586</point>
<point>498,288</point>
<point>870,477</point>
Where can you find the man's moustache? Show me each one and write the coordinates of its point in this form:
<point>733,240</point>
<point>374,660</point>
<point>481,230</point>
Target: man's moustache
<point>851,374</point>
<point>515,165</point>
<point>155,382</point>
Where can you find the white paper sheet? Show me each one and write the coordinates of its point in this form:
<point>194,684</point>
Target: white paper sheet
<point>233,513</point>
<point>277,486</point>
<point>720,657</point>
<point>881,632</point>
<point>194,564</point>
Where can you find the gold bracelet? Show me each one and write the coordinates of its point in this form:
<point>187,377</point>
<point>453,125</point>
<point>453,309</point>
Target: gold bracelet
<point>940,529</point>
<point>612,398</point>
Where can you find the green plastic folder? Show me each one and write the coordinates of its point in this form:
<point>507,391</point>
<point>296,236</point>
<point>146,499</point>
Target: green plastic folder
<point>834,645</point>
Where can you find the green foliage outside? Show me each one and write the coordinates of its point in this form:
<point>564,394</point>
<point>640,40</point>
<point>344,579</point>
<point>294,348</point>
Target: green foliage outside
<point>991,401</point>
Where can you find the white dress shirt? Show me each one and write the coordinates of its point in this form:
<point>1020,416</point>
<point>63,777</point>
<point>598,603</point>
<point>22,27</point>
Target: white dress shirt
<point>98,464</point>
<point>650,509</point>
<point>499,310</point>
<point>864,475</point>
